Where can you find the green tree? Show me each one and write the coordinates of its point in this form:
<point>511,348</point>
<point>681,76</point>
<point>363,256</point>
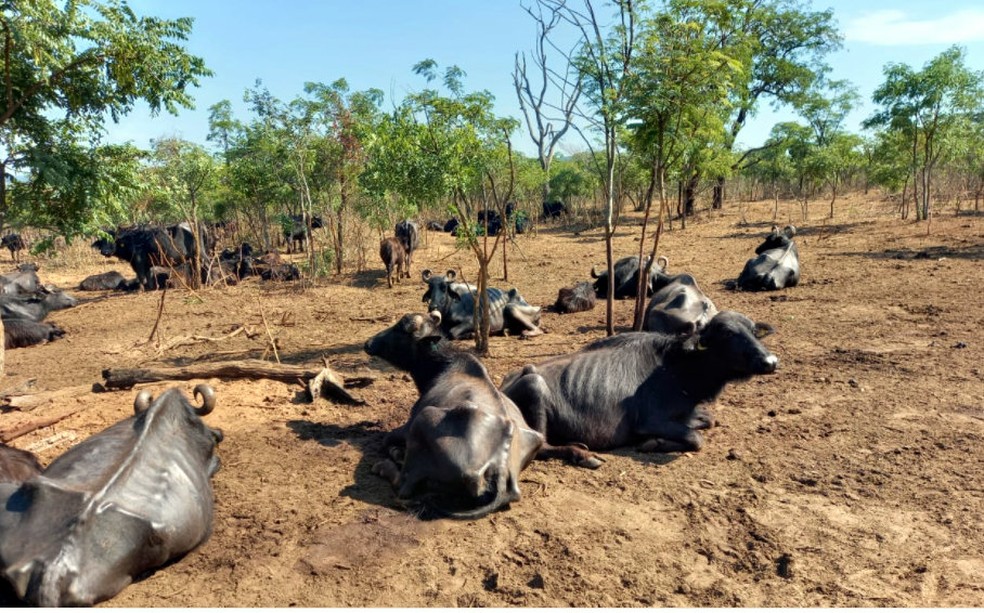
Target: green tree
<point>66,68</point>
<point>927,106</point>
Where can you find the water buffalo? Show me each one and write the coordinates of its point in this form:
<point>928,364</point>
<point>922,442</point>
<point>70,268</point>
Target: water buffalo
<point>639,387</point>
<point>26,332</point>
<point>678,307</point>
<point>23,280</point>
<point>435,226</point>
<point>15,243</point>
<point>296,233</point>
<point>121,503</point>
<point>553,209</point>
<point>17,465</point>
<point>394,257</point>
<point>462,449</point>
<point>508,311</point>
<point>575,299</point>
<point>451,226</point>
<point>776,266</point>
<point>145,247</point>
<point>103,281</point>
<point>409,234</point>
<point>34,306</point>
<point>627,277</point>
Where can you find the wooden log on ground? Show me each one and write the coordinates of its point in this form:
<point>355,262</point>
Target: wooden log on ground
<point>126,378</point>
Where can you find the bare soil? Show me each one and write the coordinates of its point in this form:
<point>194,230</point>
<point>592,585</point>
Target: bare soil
<point>851,477</point>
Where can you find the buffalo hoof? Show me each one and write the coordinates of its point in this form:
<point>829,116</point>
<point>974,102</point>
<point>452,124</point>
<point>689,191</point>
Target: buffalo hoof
<point>530,333</point>
<point>590,461</point>
<point>387,469</point>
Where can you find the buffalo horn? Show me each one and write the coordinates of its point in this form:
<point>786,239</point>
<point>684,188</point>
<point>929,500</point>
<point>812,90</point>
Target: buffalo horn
<point>662,262</point>
<point>142,401</point>
<point>790,230</point>
<point>436,316</point>
<point>426,274</point>
<point>594,272</point>
<point>208,398</point>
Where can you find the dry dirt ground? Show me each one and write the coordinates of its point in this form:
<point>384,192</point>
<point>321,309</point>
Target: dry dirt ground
<point>851,477</point>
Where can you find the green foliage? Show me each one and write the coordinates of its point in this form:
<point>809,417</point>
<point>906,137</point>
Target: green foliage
<point>66,68</point>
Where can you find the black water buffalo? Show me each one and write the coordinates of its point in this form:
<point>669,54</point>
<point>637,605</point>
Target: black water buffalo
<point>15,243</point>
<point>640,387</point>
<point>553,209</point>
<point>17,465</point>
<point>23,280</point>
<point>455,301</point>
<point>103,281</point>
<point>627,277</point>
<point>776,266</point>
<point>489,222</point>
<point>465,443</point>
<point>678,307</point>
<point>295,232</point>
<point>435,226</point>
<point>451,226</point>
<point>121,503</point>
<point>234,265</point>
<point>34,306</point>
<point>172,247</point>
<point>409,234</point>
<point>394,257</point>
<point>575,299</point>
<point>27,332</point>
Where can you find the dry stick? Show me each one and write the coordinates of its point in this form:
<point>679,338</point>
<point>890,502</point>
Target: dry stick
<point>273,343</point>
<point>160,312</point>
<point>192,340</point>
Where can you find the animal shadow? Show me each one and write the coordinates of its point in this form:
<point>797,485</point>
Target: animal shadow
<point>367,437</point>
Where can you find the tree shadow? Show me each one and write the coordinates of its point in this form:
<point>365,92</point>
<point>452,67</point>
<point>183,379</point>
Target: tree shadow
<point>968,252</point>
<point>821,230</point>
<point>368,438</point>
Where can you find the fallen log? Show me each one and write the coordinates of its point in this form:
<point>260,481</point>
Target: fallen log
<point>16,400</point>
<point>126,378</point>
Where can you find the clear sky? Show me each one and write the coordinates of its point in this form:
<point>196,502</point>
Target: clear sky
<point>374,43</point>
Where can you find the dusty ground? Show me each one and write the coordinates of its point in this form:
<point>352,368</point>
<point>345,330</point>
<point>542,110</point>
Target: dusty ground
<point>852,477</point>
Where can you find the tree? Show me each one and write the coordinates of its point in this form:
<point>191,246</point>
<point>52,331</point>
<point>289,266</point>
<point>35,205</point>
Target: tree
<point>66,67</point>
<point>603,59</point>
<point>927,106</point>
<point>540,113</point>
<point>781,47</point>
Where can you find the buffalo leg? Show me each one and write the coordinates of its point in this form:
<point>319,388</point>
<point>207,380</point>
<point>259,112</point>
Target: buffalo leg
<point>531,394</point>
<point>669,436</point>
<point>702,419</point>
<point>520,318</point>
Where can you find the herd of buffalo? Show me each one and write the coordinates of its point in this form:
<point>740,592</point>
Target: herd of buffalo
<point>137,495</point>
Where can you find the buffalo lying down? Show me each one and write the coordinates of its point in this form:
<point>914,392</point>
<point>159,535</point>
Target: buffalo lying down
<point>508,311</point>
<point>461,451</point>
<point>776,266</point>
<point>639,387</point>
<point>679,307</point>
<point>121,503</point>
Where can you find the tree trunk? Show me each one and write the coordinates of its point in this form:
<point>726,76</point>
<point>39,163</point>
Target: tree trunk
<point>717,197</point>
<point>484,320</point>
<point>690,195</point>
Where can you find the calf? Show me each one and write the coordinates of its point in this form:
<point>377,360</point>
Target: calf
<point>508,311</point>
<point>15,243</point>
<point>627,277</point>
<point>409,234</point>
<point>394,258</point>
<point>103,281</point>
<point>776,266</point>
<point>26,332</point>
<point>34,306</point>
<point>679,307</point>
<point>575,299</point>
<point>121,503</point>
<point>462,449</point>
<point>640,387</point>
<point>17,465</point>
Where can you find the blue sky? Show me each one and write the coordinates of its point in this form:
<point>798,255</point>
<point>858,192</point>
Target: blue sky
<point>374,43</point>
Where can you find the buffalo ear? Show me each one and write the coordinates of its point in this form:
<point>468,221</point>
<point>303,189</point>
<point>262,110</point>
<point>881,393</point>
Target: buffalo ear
<point>762,330</point>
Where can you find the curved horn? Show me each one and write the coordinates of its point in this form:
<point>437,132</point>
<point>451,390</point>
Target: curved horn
<point>790,230</point>
<point>208,398</point>
<point>775,229</point>
<point>450,274</point>
<point>142,402</point>
<point>594,272</point>
<point>662,261</point>
<point>426,274</point>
